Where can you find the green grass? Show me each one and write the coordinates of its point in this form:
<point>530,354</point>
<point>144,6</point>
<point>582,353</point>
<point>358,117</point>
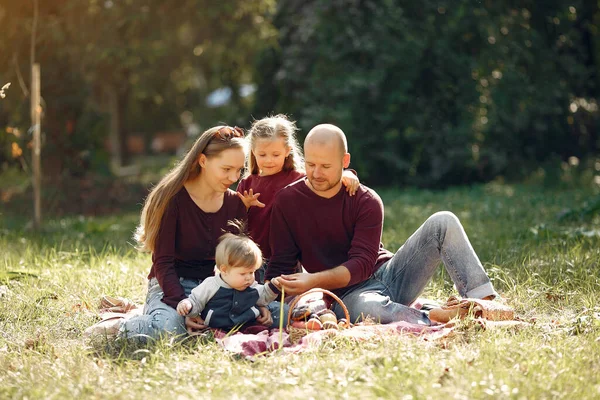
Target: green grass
<point>540,246</point>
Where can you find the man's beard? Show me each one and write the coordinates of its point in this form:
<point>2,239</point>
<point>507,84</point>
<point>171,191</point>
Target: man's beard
<point>323,186</point>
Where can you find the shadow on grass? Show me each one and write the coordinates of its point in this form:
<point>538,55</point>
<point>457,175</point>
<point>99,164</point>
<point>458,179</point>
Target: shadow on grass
<point>6,276</point>
<point>133,349</point>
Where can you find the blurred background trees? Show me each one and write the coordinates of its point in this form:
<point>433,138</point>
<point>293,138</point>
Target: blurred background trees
<point>430,94</point>
<point>440,92</point>
<point>124,67</point>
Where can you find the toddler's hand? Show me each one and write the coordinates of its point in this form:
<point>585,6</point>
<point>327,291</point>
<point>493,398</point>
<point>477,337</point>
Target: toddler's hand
<point>184,307</point>
<point>275,281</point>
<point>265,318</point>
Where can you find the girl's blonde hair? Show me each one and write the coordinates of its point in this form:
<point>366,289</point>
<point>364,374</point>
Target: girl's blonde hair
<point>211,143</point>
<point>237,250</point>
<point>271,128</point>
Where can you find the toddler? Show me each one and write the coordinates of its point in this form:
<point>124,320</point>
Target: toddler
<point>232,297</point>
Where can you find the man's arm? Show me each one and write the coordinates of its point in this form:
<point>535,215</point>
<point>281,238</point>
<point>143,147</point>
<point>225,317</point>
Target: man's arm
<point>366,241</point>
<point>362,256</point>
<point>334,278</point>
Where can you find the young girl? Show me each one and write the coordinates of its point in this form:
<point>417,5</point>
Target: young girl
<point>275,161</point>
<point>231,297</point>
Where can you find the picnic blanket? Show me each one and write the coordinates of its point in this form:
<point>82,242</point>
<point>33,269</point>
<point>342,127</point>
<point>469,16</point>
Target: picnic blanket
<point>250,344</point>
<point>257,340</point>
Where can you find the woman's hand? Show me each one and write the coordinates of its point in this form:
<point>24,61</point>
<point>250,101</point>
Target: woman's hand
<point>195,325</point>
<point>265,317</point>
<point>350,180</point>
<point>250,199</point>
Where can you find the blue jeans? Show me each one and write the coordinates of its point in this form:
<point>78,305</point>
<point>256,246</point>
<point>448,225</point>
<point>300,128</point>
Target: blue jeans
<point>159,319</point>
<point>385,297</point>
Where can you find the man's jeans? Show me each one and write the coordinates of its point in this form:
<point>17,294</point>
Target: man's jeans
<point>160,319</point>
<point>399,281</point>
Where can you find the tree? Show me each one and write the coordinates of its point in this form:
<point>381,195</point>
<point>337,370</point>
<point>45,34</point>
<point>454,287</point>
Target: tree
<point>138,64</point>
<point>438,93</point>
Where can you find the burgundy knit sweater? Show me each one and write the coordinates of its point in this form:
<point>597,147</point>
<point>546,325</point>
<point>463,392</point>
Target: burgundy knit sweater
<point>325,233</point>
<point>186,242</point>
<point>259,218</point>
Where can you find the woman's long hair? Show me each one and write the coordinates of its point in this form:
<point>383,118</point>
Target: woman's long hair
<point>271,128</point>
<point>187,169</point>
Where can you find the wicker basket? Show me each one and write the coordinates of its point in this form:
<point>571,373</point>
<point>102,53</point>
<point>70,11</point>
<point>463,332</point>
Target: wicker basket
<point>296,334</point>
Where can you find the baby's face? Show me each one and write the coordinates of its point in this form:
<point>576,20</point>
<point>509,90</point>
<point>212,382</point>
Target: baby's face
<point>238,278</point>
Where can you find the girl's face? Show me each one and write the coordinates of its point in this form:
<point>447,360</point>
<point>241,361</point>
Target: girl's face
<point>239,278</point>
<point>270,155</point>
<point>223,170</point>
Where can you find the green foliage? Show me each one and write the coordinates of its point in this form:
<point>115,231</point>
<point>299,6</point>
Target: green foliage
<point>157,59</point>
<point>431,94</point>
<point>439,93</point>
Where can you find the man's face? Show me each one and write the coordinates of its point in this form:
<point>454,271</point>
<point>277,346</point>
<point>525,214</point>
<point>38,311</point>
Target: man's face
<point>324,166</point>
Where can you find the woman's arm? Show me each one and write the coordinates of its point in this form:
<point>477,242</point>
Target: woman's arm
<point>164,258</point>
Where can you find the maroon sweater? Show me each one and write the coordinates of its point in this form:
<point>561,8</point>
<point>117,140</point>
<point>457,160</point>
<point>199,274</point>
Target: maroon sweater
<point>325,233</point>
<point>186,242</point>
<point>259,218</point>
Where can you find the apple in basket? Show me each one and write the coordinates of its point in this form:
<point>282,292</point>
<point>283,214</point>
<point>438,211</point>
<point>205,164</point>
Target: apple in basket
<point>313,324</point>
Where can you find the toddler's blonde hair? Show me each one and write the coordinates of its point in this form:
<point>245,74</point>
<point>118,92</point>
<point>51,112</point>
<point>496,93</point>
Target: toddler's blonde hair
<point>237,250</point>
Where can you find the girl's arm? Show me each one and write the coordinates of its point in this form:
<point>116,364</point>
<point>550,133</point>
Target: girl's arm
<point>245,192</point>
<point>351,181</point>
<point>250,199</point>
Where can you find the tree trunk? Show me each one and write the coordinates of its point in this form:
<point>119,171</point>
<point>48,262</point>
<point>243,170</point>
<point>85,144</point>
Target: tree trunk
<point>114,135</point>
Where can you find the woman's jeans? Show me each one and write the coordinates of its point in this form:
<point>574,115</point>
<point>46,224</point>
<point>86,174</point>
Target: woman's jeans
<point>159,319</point>
<point>385,297</point>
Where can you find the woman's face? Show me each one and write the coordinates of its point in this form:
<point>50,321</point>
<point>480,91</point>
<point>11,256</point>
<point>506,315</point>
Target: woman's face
<point>270,155</point>
<point>223,170</point>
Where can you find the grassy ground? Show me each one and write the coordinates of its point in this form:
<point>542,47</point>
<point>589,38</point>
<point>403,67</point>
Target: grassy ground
<point>540,246</point>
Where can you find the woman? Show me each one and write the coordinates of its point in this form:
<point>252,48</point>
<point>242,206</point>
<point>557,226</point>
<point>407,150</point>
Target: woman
<point>181,221</point>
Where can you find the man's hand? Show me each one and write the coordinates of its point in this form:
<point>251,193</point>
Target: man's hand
<point>250,199</point>
<point>265,317</point>
<point>195,325</point>
<point>297,283</point>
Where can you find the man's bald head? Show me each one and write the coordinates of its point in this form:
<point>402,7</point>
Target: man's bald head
<point>325,134</point>
<point>325,157</point>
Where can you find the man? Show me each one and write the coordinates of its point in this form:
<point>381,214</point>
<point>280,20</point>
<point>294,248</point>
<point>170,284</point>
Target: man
<point>337,238</point>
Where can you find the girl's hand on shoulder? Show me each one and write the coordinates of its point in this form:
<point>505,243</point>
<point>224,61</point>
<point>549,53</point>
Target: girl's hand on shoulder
<point>184,307</point>
<point>250,199</point>
<point>351,181</point>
